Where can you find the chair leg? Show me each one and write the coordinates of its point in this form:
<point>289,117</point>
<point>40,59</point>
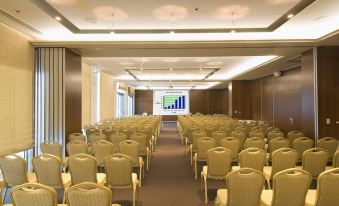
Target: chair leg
<point>195,169</point>
<point>147,162</point>
<point>134,191</point>
<point>140,173</point>
<point>3,201</point>
<point>206,195</point>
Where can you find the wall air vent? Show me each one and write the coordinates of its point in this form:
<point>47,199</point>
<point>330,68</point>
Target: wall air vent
<point>13,21</point>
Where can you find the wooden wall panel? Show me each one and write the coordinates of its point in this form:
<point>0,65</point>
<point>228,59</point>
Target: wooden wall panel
<point>256,99</point>
<point>199,101</point>
<point>241,99</point>
<point>267,99</point>
<point>143,101</point>
<point>73,89</point>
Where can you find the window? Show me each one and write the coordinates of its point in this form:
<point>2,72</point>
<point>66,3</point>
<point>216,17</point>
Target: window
<point>130,105</point>
<point>120,105</point>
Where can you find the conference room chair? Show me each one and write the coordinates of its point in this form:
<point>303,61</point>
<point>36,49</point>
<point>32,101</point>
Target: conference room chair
<point>252,158</point>
<point>108,132</point>
<point>83,168</point>
<point>314,161</point>
<point>244,187</point>
<point>227,129</point>
<point>264,126</point>
<point>275,144</point>
<point>255,142</point>
<point>219,161</point>
<point>132,149</point>
<point>257,128</point>
<point>293,135</point>
<point>119,173</point>
<point>101,149</point>
<point>336,159</point>
<point>274,134</point>
<point>34,194</point>
<point>149,140</point>
<point>210,129</point>
<point>271,129</point>
<point>76,136</point>
<point>97,136</point>
<point>77,147</point>
<point>127,132</point>
<point>90,131</point>
<point>289,188</point>
<point>282,159</point>
<point>241,135</point>
<point>88,194</point>
<point>189,137</point>
<point>115,139</point>
<point>54,148</point>
<point>144,149</point>
<point>330,144</point>
<point>217,136</point>
<point>14,172</point>
<point>327,193</point>
<point>47,169</point>
<point>204,144</point>
<point>233,144</point>
<point>302,144</point>
<point>196,135</point>
<point>251,125</point>
<point>260,134</point>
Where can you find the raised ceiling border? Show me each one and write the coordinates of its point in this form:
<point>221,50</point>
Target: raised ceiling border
<point>51,11</point>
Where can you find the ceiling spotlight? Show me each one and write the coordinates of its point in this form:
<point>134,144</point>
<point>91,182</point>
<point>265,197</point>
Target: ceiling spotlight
<point>112,32</point>
<point>58,18</point>
<point>233,31</point>
<point>290,16</point>
<point>172,32</point>
<point>171,69</point>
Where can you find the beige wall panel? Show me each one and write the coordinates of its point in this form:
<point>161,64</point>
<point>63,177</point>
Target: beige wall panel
<point>86,94</point>
<point>107,96</point>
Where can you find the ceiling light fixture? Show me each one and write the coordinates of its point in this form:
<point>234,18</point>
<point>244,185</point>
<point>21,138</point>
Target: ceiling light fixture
<point>112,32</point>
<point>58,18</point>
<point>233,31</point>
<point>290,16</point>
<point>172,32</point>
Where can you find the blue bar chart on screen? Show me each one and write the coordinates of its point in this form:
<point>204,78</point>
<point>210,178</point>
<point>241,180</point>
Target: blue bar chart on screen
<point>170,102</point>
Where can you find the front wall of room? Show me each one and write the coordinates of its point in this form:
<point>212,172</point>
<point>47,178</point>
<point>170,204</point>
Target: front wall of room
<point>16,83</point>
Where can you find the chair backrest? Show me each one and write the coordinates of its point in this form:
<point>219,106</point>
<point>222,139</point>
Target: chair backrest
<point>258,128</point>
<point>32,194</point>
<point>290,187</point>
<point>141,138</point>
<point>108,132</point>
<point>77,147</point>
<point>233,144</point>
<point>330,144</point>
<point>227,129</point>
<point>101,149</point>
<point>256,142</point>
<point>302,144</point>
<point>131,149</point>
<point>83,168</point>
<point>241,135</point>
<point>53,148</point>
<point>95,137</point>
<point>88,194</point>
<point>257,134</point>
<point>204,144</point>
<point>282,159</point>
<point>274,134</point>
<point>217,136</point>
<point>244,187</point>
<point>90,131</point>
<point>328,190</point>
<point>271,129</point>
<point>219,161</point>
<point>277,143</point>
<point>116,139</point>
<point>195,136</point>
<point>210,129</point>
<point>293,135</point>
<point>336,159</point>
<point>190,131</point>
<point>47,169</point>
<point>118,169</point>
<point>76,136</point>
<point>127,132</point>
<point>252,158</point>
<point>314,161</point>
<point>14,170</point>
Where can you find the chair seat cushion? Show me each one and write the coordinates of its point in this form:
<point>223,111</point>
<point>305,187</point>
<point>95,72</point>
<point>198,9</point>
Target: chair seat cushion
<point>311,197</point>
<point>66,179</point>
<point>268,172</point>
<point>101,177</point>
<point>266,197</point>
<point>221,199</point>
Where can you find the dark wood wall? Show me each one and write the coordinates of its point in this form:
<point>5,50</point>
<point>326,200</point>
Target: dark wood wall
<point>73,92</point>
<point>143,101</point>
<point>241,99</point>
<point>328,91</point>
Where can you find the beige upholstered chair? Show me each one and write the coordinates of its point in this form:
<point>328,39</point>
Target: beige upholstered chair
<point>330,144</point>
<point>314,161</point>
<point>293,135</point>
<point>83,168</point>
<point>257,134</point>
<point>127,132</point>
<point>95,137</point>
<point>47,169</point>
<point>53,148</point>
<point>209,130</point>
<point>219,161</point>
<point>14,172</point>
<point>76,136</point>
<point>119,173</point>
<point>33,194</point>
<point>204,144</point>
<point>258,128</point>
<point>77,147</point>
<point>241,135</point>
<point>282,159</point>
<point>144,149</point>
<point>108,132</point>
<point>217,136</point>
<point>101,149</point>
<point>252,158</point>
<point>256,142</point>
<point>244,187</point>
<point>273,135</point>
<point>277,143</point>
<point>193,147</point>
<point>289,188</point>
<point>301,145</point>
<point>327,193</point>
<point>336,159</point>
<point>132,149</point>
<point>116,139</point>
<point>88,194</point>
<point>226,129</point>
<point>90,131</point>
<point>233,144</point>
<point>271,129</point>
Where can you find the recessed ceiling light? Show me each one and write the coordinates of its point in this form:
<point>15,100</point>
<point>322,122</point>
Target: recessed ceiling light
<point>58,18</point>
<point>233,31</point>
<point>290,16</point>
<point>172,32</point>
<point>112,32</point>
<point>171,69</point>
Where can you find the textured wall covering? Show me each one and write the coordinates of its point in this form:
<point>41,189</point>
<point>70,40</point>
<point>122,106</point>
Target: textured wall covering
<point>86,94</point>
<point>16,91</point>
<point>107,96</point>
